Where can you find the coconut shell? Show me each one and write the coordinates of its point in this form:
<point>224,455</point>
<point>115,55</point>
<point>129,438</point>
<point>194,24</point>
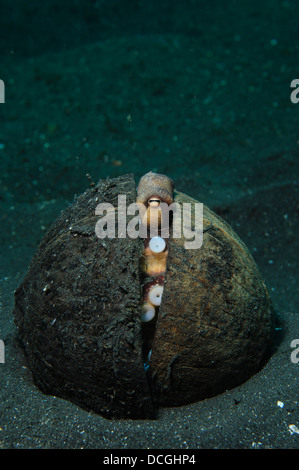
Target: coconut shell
<point>214,323</point>
<point>77,311</point>
<point>78,314</point>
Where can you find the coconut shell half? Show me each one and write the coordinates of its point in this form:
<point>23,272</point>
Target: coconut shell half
<point>214,323</point>
<point>77,311</point>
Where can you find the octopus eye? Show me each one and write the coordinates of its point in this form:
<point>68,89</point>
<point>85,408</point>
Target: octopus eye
<point>154,202</point>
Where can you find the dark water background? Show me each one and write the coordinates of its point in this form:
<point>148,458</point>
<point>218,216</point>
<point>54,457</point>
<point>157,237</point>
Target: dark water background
<point>197,90</point>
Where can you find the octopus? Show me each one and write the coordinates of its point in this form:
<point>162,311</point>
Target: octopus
<point>153,190</point>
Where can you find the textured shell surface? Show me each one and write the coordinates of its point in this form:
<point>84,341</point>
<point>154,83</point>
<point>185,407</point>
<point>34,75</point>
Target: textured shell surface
<point>77,311</point>
<point>214,323</point>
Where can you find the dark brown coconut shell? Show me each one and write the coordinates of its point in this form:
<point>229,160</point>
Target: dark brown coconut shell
<point>77,311</point>
<point>78,314</point>
<point>214,322</point>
